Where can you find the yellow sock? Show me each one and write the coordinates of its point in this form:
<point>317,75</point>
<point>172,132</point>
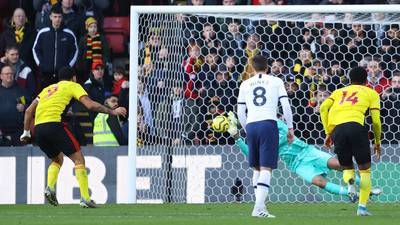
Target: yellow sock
<point>81,176</point>
<point>365,186</point>
<point>348,174</point>
<point>52,174</point>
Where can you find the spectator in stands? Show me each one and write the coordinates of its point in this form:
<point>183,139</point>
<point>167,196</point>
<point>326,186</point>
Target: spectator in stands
<point>232,67</point>
<point>72,18</point>
<point>305,40</point>
<point>376,78</point>
<point>389,47</point>
<point>233,39</point>
<point>23,73</point>
<point>143,98</point>
<point>225,89</point>
<point>151,47</point>
<point>107,129</point>
<point>43,8</point>
<point>302,65</point>
<point>392,92</point>
<point>93,8</point>
<point>278,69</point>
<point>311,117</point>
<point>14,101</point>
<point>337,78</point>
<point>52,57</point>
<point>316,77</point>
<point>119,78</point>
<point>193,63</point>
<point>193,89</point>
<point>94,86</point>
<point>326,46</point>
<point>93,48</point>
<point>157,81</point>
<point>168,117</point>
<point>253,48</point>
<point>209,39</point>
<point>20,33</point>
<point>320,96</point>
<point>390,111</point>
<point>211,65</point>
<point>357,42</point>
<point>123,98</point>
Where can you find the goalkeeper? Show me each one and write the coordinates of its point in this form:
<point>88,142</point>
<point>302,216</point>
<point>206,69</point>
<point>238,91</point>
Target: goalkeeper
<point>305,160</point>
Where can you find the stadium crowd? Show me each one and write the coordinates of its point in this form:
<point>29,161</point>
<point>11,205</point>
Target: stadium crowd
<point>178,98</point>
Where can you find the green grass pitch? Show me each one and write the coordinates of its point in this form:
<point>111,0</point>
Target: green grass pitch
<point>198,214</point>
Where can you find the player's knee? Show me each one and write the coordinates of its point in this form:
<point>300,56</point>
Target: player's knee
<point>77,158</point>
<point>364,166</point>
<point>318,181</point>
<point>58,159</point>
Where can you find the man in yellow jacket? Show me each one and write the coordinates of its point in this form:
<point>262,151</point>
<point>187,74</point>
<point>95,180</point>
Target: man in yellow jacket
<point>106,129</point>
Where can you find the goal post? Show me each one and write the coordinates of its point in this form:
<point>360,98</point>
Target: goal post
<point>178,154</point>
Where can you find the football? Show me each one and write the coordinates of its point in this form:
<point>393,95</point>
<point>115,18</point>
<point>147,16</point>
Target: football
<point>220,124</point>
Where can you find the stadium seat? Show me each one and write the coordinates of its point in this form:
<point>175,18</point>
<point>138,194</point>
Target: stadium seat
<point>116,30</point>
<point>116,25</point>
<point>116,42</point>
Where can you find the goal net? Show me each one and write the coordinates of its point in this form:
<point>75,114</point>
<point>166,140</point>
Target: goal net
<point>189,69</point>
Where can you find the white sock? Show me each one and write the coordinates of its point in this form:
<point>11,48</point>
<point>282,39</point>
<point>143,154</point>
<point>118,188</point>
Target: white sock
<point>256,175</point>
<point>262,188</point>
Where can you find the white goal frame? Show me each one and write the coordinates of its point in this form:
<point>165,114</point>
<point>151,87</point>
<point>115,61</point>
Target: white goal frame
<point>134,50</point>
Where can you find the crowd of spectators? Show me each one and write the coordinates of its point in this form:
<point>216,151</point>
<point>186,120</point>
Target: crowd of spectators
<point>312,58</point>
<point>184,83</point>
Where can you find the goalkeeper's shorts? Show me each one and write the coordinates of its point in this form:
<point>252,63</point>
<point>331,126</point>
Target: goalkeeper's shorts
<point>314,163</point>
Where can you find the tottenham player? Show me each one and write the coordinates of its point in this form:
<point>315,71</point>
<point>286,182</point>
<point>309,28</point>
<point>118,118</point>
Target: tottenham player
<point>260,95</point>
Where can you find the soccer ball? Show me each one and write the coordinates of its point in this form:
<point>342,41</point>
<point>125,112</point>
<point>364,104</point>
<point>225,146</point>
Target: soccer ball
<point>220,124</point>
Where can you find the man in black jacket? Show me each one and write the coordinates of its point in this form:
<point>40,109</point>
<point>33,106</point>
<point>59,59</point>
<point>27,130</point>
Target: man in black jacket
<point>13,100</point>
<point>54,48</point>
<point>94,86</point>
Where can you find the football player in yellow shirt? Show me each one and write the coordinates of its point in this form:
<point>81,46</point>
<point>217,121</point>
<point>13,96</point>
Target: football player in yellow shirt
<point>343,116</point>
<point>53,136</point>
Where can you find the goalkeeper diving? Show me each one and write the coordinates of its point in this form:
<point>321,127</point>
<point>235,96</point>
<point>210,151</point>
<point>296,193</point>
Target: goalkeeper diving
<point>303,159</point>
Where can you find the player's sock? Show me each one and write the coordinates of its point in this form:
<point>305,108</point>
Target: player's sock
<point>348,175</point>
<point>52,174</point>
<point>335,189</point>
<point>81,176</point>
<point>243,146</point>
<point>365,187</point>
<point>256,175</point>
<point>262,188</point>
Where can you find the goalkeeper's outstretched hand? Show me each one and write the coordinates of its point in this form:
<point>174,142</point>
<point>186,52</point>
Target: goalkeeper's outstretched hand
<point>232,130</point>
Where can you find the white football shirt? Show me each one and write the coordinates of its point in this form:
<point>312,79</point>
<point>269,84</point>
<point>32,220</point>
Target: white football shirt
<point>261,94</point>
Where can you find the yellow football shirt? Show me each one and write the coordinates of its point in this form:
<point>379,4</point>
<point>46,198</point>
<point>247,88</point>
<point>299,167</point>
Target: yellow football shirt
<point>54,100</point>
<point>350,104</point>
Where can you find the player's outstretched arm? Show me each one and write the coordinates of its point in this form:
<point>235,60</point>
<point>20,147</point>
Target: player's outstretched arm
<point>29,113</point>
<point>324,110</point>
<point>97,107</point>
<point>377,128</point>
